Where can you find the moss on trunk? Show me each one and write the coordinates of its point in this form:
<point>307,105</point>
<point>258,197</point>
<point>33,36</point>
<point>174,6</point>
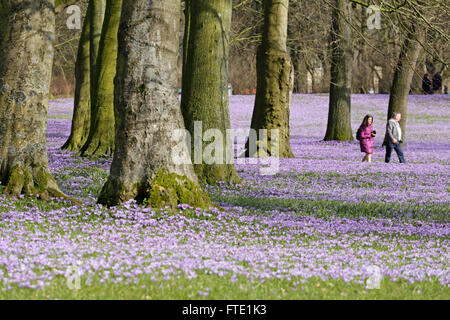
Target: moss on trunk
<point>102,129</point>
<point>82,105</point>
<point>274,84</point>
<point>25,74</point>
<point>205,79</point>
<point>143,166</point>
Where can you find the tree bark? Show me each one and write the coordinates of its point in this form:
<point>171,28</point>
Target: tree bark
<point>102,128</point>
<point>404,72</point>
<point>148,110</point>
<point>82,105</point>
<point>205,81</point>
<point>97,15</point>
<point>25,74</point>
<point>339,114</point>
<point>274,83</point>
<point>301,73</point>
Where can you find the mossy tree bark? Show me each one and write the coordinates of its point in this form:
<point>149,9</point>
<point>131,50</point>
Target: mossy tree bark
<point>403,75</point>
<point>102,128</point>
<point>205,80</point>
<point>97,15</point>
<point>274,82</point>
<point>25,74</point>
<point>339,114</point>
<point>82,105</point>
<point>143,166</point>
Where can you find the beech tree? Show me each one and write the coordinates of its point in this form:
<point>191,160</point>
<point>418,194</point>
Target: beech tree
<point>205,81</point>
<point>81,118</point>
<point>339,114</point>
<point>401,85</point>
<point>102,128</point>
<point>85,71</point>
<point>274,82</point>
<point>25,75</point>
<point>149,114</point>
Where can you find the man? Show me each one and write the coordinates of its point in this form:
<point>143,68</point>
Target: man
<point>393,138</point>
<point>426,84</point>
<point>437,83</point>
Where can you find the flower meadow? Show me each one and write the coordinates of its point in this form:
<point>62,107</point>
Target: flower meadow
<point>321,227</point>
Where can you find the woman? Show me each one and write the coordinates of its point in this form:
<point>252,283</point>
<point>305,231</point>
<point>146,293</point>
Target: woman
<point>366,135</point>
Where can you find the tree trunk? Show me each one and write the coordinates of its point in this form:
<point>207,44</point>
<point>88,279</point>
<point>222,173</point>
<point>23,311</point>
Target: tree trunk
<point>339,114</point>
<point>301,73</point>
<point>25,74</point>
<point>96,15</point>
<point>144,166</point>
<point>273,65</point>
<point>401,84</point>
<point>205,83</point>
<point>363,79</point>
<point>102,129</point>
<point>82,106</point>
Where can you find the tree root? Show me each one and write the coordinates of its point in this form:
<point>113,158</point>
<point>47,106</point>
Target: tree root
<point>34,181</point>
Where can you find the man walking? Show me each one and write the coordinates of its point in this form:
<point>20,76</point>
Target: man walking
<point>393,138</point>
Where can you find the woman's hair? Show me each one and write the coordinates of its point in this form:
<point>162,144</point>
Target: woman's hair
<point>365,122</point>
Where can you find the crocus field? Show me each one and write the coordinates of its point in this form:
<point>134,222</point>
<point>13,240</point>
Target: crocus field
<point>322,227</point>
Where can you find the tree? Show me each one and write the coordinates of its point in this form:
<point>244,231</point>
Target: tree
<point>25,75</point>
<point>205,84</point>
<point>401,85</point>
<point>102,128</point>
<point>339,114</point>
<point>81,118</point>
<point>144,166</point>
<point>274,82</point>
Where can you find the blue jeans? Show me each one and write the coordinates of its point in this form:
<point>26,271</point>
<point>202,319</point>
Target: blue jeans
<point>398,148</point>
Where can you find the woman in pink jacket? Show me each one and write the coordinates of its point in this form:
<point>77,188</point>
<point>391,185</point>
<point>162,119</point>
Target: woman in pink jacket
<point>366,135</point>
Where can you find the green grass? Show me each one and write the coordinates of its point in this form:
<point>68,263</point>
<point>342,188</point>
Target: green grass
<point>329,208</point>
<point>219,288</point>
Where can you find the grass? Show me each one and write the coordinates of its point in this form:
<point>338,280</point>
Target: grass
<point>331,208</point>
<point>224,288</point>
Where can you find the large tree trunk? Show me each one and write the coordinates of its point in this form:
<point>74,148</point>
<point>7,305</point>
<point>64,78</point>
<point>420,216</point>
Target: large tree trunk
<point>274,84</point>
<point>102,128</point>
<point>27,33</point>
<point>82,106</point>
<point>404,72</point>
<point>144,166</point>
<point>339,114</point>
<point>205,82</point>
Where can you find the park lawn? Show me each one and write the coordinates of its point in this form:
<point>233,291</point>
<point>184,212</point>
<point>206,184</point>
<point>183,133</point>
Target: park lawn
<point>213,287</point>
<point>309,232</point>
<point>204,284</point>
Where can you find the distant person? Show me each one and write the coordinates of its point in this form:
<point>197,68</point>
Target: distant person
<point>445,89</point>
<point>393,138</point>
<point>437,82</point>
<point>365,136</point>
<point>426,84</point>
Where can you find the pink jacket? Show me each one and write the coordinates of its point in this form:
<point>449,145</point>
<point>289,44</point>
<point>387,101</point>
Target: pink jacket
<point>366,141</point>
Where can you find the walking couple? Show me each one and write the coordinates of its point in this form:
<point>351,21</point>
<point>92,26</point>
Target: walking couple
<point>392,138</point>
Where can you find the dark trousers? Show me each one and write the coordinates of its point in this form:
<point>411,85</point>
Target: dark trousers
<point>398,148</point>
